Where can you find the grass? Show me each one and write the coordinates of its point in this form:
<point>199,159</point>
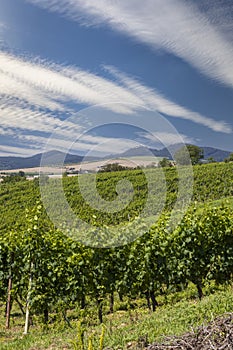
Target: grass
<point>177,314</point>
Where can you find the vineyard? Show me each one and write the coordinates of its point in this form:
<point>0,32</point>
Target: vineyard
<point>45,273</point>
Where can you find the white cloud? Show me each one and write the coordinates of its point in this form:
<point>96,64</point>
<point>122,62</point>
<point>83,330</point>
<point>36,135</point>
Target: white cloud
<point>50,86</point>
<point>15,151</point>
<point>166,138</point>
<point>59,83</point>
<point>176,26</point>
<point>26,119</point>
<point>12,88</point>
<point>90,145</point>
<point>220,15</point>
<point>16,119</point>
<point>157,101</point>
<point>33,94</point>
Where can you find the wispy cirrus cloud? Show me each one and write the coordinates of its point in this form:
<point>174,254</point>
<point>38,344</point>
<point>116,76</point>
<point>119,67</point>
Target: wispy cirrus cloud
<point>176,26</point>
<point>166,138</point>
<point>49,83</point>
<point>88,144</point>
<point>34,85</point>
<point>220,14</point>
<point>35,93</point>
<point>163,105</point>
<point>6,150</point>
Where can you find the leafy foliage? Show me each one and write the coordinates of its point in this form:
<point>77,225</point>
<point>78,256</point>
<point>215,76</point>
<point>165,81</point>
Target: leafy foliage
<point>189,153</point>
<point>229,159</point>
<point>63,273</point>
<point>165,163</point>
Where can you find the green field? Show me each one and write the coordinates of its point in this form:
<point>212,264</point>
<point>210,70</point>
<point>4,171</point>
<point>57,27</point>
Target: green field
<point>211,182</point>
<point>60,281</point>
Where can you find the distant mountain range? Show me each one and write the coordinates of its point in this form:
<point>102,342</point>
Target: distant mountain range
<point>54,157</point>
<point>217,154</point>
<point>50,158</point>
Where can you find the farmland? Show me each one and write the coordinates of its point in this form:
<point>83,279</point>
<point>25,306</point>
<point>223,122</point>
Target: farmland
<point>58,281</point>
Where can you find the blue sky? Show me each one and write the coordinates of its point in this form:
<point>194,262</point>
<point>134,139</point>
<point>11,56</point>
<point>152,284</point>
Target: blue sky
<point>59,57</point>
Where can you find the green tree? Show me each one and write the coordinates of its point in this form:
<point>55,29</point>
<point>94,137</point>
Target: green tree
<point>21,173</point>
<point>13,178</point>
<point>189,154</point>
<point>229,159</point>
<point>113,167</point>
<point>211,160</point>
<point>164,163</point>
